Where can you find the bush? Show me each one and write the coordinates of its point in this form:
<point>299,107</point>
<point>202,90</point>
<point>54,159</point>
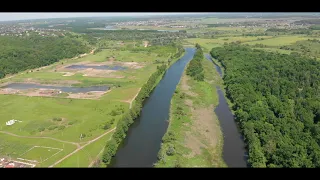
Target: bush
<point>52,128</point>
<point>61,127</point>
<point>57,119</point>
<point>41,129</point>
<point>169,137</point>
<point>71,122</point>
<point>170,151</point>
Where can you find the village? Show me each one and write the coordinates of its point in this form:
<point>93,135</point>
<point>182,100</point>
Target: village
<point>9,163</point>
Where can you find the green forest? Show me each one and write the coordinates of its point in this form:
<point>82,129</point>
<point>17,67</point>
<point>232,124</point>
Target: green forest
<point>19,54</point>
<point>195,69</point>
<point>276,100</point>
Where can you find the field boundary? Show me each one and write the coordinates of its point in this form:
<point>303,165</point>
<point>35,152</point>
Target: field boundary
<point>37,137</point>
<point>79,148</point>
<point>35,161</point>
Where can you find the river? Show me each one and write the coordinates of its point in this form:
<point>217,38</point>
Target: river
<point>234,152</point>
<point>142,143</point>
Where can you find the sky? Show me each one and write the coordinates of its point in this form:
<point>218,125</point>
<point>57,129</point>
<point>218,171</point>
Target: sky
<point>23,16</point>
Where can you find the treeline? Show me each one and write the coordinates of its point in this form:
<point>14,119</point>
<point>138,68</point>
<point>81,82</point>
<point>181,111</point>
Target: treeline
<point>276,101</point>
<point>18,54</point>
<point>287,31</point>
<point>307,21</point>
<point>180,51</point>
<point>150,35</point>
<point>195,69</point>
<point>129,116</point>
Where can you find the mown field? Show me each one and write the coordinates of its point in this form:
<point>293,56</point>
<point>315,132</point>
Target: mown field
<point>76,121</point>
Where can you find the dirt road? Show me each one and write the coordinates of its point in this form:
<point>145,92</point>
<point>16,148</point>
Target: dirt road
<point>134,98</point>
<point>79,148</point>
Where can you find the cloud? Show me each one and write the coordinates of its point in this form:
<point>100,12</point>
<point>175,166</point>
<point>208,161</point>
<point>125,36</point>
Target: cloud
<point>23,16</point>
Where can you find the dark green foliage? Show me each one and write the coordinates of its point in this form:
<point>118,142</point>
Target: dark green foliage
<point>52,127</point>
<point>57,119</point>
<point>41,129</point>
<point>308,47</point>
<point>61,127</point>
<point>169,137</point>
<point>195,69</point>
<point>170,151</point>
<point>276,100</point>
<point>109,151</point>
<point>21,53</point>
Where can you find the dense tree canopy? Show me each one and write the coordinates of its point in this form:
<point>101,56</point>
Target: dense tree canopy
<point>195,68</point>
<point>276,101</point>
<point>18,54</point>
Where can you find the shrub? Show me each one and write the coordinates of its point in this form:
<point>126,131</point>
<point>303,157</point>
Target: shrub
<point>41,129</point>
<point>57,119</point>
<point>52,128</point>
<point>61,127</point>
<point>171,151</point>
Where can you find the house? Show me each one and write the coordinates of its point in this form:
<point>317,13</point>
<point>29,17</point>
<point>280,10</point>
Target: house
<point>10,165</point>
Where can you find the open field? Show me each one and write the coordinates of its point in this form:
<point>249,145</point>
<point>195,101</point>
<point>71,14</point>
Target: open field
<point>278,41</point>
<point>152,28</point>
<point>208,44</point>
<point>19,147</point>
<point>194,135</point>
<point>50,119</point>
<point>86,156</point>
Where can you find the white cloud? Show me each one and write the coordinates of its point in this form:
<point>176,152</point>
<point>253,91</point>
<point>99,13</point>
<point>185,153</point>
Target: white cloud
<point>22,16</point>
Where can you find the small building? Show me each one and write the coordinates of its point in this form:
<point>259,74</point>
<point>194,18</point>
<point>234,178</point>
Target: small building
<point>10,165</point>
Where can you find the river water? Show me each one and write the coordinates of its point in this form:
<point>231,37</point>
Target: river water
<point>142,143</point>
<point>234,152</point>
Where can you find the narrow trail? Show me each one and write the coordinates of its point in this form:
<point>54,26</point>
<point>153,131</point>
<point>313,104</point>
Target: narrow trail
<point>30,137</point>
<point>79,148</point>
<point>134,98</point>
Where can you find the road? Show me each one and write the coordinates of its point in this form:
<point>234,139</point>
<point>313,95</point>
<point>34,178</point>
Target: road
<point>79,148</point>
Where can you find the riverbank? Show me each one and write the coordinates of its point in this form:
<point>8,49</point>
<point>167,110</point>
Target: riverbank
<point>143,139</point>
<point>194,137</point>
<point>130,116</point>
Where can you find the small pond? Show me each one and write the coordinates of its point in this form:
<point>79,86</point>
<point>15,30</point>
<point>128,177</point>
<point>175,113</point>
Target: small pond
<point>102,67</point>
<point>25,86</point>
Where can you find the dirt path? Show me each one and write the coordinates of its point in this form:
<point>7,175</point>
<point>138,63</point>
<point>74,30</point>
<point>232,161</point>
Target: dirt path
<point>79,148</point>
<point>30,137</point>
<point>134,98</point>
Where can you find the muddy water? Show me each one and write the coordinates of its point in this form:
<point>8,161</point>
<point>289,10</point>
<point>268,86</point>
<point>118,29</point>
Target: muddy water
<point>142,143</point>
<point>24,86</point>
<point>102,67</point>
<point>234,152</point>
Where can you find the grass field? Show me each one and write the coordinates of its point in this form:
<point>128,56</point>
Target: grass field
<point>194,135</point>
<point>208,44</point>
<point>65,120</point>
<point>40,153</point>
<point>279,41</point>
<point>16,147</point>
<point>87,155</point>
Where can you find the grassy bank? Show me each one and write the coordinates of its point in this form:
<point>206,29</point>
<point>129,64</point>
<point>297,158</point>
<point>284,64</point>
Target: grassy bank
<point>133,113</point>
<point>193,138</point>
